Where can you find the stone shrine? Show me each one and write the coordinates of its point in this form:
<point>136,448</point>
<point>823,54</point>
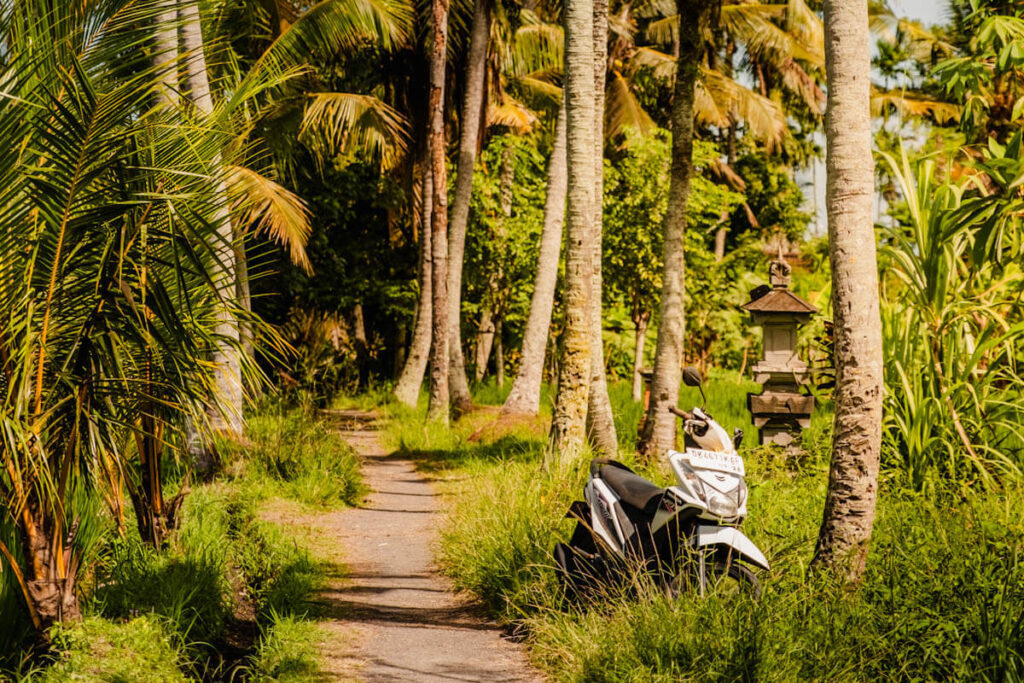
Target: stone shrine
<point>781,410</point>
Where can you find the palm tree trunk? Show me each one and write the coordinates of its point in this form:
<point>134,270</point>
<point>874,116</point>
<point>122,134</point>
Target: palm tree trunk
<point>499,355</point>
<point>525,395</point>
<point>568,424</point>
<point>640,341</point>
<point>227,418</point>
<point>600,423</point>
<point>439,395</point>
<point>857,431</point>
<point>659,432</point>
<point>484,342</point>
<point>471,107</point>
<point>407,389</point>
<point>165,57</point>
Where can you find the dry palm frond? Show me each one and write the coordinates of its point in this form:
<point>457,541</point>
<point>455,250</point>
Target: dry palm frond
<point>347,122</point>
<point>753,26</point>
<point>721,101</point>
<point>512,114</point>
<point>622,109</point>
<point>260,202</point>
<point>910,105</point>
<point>662,65</point>
<point>798,81</point>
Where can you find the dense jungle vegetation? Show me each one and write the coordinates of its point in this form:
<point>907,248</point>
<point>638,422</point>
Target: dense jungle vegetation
<point>489,221</point>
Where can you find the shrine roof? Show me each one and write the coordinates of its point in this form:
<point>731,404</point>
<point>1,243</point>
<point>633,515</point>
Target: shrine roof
<point>779,300</point>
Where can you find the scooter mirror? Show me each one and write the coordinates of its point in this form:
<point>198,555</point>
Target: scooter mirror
<point>692,378</point>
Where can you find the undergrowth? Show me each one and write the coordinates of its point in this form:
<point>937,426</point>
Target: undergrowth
<point>943,597</point>
<point>228,595</point>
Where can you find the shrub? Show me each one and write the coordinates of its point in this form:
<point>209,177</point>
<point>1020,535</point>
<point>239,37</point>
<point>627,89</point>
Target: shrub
<point>287,652</point>
<point>300,457</point>
<point>100,650</point>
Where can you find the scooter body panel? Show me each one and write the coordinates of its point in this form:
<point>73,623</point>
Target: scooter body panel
<point>732,540</point>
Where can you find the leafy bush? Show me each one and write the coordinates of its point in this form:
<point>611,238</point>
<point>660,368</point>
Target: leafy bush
<point>287,652</point>
<point>301,458</point>
<point>99,650</point>
<point>942,598</point>
<point>187,584</point>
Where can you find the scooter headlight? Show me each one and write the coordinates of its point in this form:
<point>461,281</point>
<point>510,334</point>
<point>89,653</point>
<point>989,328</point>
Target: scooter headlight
<point>722,504</point>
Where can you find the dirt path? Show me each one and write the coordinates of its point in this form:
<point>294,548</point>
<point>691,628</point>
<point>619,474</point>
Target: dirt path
<point>392,617</point>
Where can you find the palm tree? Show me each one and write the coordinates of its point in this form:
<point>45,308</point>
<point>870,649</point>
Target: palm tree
<point>524,398</point>
<point>227,414</point>
<point>473,102</point>
<point>107,304</point>
<point>441,333</point>
<point>568,434</point>
<point>407,388</point>
<point>857,432</point>
<point>600,423</point>
<point>659,430</point>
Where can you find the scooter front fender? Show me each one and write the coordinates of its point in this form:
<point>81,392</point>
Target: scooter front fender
<point>731,538</point>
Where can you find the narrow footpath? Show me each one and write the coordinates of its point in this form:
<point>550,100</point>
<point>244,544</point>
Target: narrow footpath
<point>392,611</point>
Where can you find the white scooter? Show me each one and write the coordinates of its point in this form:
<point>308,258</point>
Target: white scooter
<point>683,536</point>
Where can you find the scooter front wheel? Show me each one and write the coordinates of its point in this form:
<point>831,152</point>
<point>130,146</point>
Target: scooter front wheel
<point>724,579</point>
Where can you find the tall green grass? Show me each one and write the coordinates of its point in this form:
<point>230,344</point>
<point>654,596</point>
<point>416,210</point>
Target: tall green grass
<point>942,599</point>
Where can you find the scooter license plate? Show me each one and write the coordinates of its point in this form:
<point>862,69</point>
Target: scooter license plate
<point>713,460</point>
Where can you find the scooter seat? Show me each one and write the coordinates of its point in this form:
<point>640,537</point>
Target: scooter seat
<point>628,486</point>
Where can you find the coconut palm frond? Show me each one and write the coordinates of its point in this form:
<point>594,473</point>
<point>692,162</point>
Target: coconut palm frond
<point>664,31</point>
<point>804,23</point>
<point>535,47</point>
<point>537,86</point>
<point>798,81</point>
<point>268,207</point>
<point>333,26</point>
<point>764,39</point>
<point>735,103</point>
<point>512,114</point>
<point>348,122</point>
<point>663,65</point>
<point>914,106</point>
<point>623,110</point>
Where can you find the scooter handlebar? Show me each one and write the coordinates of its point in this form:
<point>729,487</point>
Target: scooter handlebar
<point>680,413</point>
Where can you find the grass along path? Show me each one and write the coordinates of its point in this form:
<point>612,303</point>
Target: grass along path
<point>395,616</point>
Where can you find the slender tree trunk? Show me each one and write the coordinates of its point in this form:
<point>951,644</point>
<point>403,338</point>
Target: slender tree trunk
<point>525,395</point>
<point>600,421</point>
<point>362,344</point>
<point>244,294</point>
<point>484,341</point>
<point>407,389</point>
<point>659,432</point>
<point>439,395</point>
<point>857,431</point>
<point>640,341</point>
<point>165,57</point>
<point>470,124</point>
<point>227,417</point>
<point>499,355</point>
<point>568,424</point>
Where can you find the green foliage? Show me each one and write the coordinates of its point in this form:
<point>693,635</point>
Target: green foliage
<point>774,199</point>
<point>501,251</point>
<point>99,651</point>
<point>287,652</point>
<point>941,599</point>
<point>952,327</point>
<point>298,456</point>
<point>187,585</point>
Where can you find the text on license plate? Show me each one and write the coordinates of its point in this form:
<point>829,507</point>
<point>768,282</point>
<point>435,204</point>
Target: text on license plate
<point>713,460</point>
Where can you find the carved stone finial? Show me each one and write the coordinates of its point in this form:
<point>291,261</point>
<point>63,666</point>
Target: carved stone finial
<point>778,273</point>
